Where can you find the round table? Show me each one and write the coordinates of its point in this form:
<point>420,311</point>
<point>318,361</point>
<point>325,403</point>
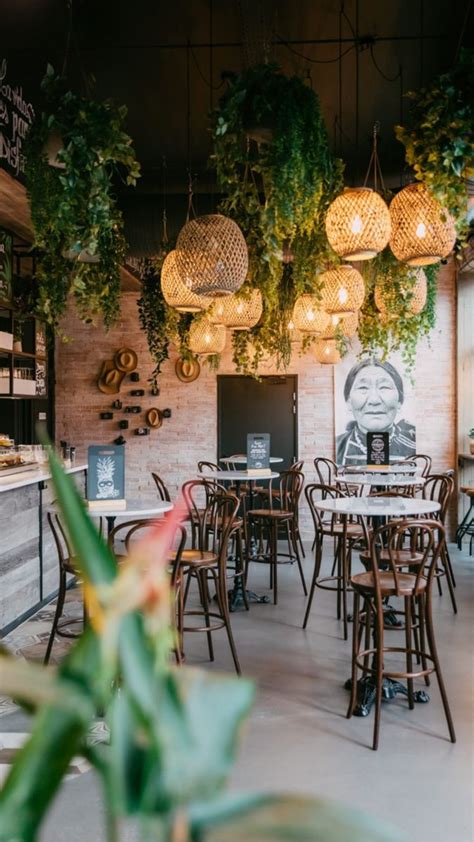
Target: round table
<point>382,481</point>
<point>237,476</point>
<point>379,469</point>
<point>242,460</point>
<point>135,508</point>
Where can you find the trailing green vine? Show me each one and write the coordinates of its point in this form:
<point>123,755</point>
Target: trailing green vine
<point>73,205</point>
<point>439,136</point>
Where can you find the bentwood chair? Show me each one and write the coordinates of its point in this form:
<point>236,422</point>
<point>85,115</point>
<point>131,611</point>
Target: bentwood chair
<point>345,533</point>
<point>67,567</point>
<point>440,487</point>
<point>208,466</point>
<point>415,588</point>
<point>422,462</point>
<point>271,519</point>
<point>216,519</point>
<point>161,488</point>
<point>326,470</point>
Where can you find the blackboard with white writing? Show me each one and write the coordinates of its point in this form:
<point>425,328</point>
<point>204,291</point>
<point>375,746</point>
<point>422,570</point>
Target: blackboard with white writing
<point>258,451</point>
<point>105,473</point>
<point>378,449</point>
<point>16,117</point>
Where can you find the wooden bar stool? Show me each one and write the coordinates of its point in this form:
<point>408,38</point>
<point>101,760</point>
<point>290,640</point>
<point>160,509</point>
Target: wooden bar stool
<point>415,589</point>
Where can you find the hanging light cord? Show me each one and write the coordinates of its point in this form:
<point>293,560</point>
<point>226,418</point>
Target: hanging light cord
<point>165,217</point>
<point>374,163</point>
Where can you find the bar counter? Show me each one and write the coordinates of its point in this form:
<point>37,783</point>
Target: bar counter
<point>28,558</point>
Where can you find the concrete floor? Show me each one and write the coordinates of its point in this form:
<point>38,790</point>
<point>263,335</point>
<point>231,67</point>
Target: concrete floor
<point>298,739</point>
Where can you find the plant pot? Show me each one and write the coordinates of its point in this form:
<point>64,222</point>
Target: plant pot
<point>17,346</point>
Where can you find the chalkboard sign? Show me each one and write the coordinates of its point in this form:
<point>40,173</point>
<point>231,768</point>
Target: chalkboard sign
<point>258,452</point>
<point>16,117</point>
<point>378,449</point>
<point>106,476</point>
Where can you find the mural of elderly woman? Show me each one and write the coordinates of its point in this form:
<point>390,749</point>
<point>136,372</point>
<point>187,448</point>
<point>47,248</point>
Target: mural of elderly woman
<point>374,394</point>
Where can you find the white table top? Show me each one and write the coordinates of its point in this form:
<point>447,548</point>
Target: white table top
<point>379,469</point>
<point>242,460</point>
<point>40,474</point>
<point>383,481</point>
<point>378,506</point>
<point>134,508</point>
<point>239,476</point>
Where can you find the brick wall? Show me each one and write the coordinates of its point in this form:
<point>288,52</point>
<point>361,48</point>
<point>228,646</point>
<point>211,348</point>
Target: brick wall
<point>191,433</point>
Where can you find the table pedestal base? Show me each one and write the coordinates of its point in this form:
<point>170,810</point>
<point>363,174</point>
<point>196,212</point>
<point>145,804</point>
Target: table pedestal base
<point>366,693</point>
<point>236,599</point>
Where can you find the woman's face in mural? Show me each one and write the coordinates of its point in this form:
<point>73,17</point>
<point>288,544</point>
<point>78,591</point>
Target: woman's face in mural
<point>374,399</point>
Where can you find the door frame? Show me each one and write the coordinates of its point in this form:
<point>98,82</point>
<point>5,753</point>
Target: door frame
<point>220,378</point>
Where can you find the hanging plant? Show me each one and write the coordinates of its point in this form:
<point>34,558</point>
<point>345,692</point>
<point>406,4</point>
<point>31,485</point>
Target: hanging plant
<point>439,137</point>
<point>398,328</point>
<point>273,163</point>
<point>77,223</point>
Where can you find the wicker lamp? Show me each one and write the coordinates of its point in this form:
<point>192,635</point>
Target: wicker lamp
<point>176,293</point>
<point>308,316</point>
<point>422,232</point>
<point>347,325</point>
<point>206,338</point>
<point>343,290</point>
<point>418,293</point>
<point>358,224</point>
<point>212,255</point>
<point>236,312</point>
<point>326,352</point>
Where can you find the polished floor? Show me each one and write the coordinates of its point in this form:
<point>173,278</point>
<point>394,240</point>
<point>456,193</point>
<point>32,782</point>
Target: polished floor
<point>298,739</point>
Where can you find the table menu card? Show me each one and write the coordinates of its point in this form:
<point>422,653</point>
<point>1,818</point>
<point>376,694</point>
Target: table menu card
<point>378,449</point>
<point>258,453</point>
<point>106,476</point>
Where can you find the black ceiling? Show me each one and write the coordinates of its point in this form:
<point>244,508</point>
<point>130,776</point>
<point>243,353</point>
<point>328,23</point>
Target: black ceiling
<point>138,52</point>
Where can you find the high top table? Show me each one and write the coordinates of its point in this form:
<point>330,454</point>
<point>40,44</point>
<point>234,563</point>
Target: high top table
<point>378,469</point>
<point>135,508</point>
<point>380,480</point>
<point>377,507</point>
<point>242,460</point>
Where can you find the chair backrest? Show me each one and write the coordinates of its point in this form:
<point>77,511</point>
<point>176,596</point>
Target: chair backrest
<point>422,462</point>
<point>290,487</point>
<point>326,470</point>
<point>315,492</point>
<point>212,513</point>
<point>234,466</point>
<point>125,527</point>
<point>61,541</point>
<point>144,526</point>
<point>297,466</point>
<point>208,466</point>
<point>427,535</point>
<point>439,487</point>
<point>163,492</point>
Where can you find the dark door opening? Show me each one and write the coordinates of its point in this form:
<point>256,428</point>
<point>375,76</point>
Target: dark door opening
<point>246,405</point>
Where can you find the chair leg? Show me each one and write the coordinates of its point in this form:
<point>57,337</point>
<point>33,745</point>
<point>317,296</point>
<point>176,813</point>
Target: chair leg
<point>355,652</point>
<point>274,559</point>
<point>57,616</point>
<point>408,644</point>
<point>317,567</point>
<point>446,567</point>
<point>439,676</point>
<point>450,566</point>
<point>422,624</point>
<point>203,590</point>
<point>294,539</point>
<point>379,640</point>
<point>221,591</point>
<point>240,570</point>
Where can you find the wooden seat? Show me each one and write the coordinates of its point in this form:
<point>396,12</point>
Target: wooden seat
<point>271,513</point>
<point>402,558</point>
<point>194,557</point>
<point>373,587</point>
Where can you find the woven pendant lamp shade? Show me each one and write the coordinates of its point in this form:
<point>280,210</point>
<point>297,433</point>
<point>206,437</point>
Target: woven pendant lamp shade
<point>326,352</point>
<point>347,325</point>
<point>205,338</point>
<point>212,255</point>
<point>177,294</point>
<point>343,291</point>
<point>235,312</point>
<point>422,232</point>
<point>418,292</point>
<point>358,224</point>
<point>308,316</point>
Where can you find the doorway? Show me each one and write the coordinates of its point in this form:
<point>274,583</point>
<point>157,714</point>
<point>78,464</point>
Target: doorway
<point>269,405</point>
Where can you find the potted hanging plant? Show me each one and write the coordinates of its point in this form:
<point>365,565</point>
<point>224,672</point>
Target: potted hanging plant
<point>77,223</point>
<point>439,138</point>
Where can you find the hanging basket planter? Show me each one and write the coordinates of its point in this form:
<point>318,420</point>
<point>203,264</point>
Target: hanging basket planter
<point>417,292</point>
<point>236,312</point>
<point>346,325</point>
<point>308,315</point>
<point>422,231</point>
<point>326,352</point>
<point>343,290</point>
<point>205,338</point>
<point>212,256</point>
<point>176,293</point>
<point>358,224</point>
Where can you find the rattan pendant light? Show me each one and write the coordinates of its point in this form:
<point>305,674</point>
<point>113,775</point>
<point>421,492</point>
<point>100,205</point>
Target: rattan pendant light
<point>308,315</point>
<point>176,293</point>
<point>422,231</point>
<point>418,292</point>
<point>346,325</point>
<point>237,312</point>
<point>358,221</point>
<point>343,290</point>
<point>326,352</point>
<point>212,255</point>
<point>206,338</point>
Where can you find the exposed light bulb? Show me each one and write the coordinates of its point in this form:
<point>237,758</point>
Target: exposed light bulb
<point>240,307</point>
<point>327,350</point>
<point>343,295</point>
<point>356,225</point>
<point>291,325</point>
<point>335,320</point>
<point>220,309</point>
<point>421,230</point>
<point>207,338</point>
<point>310,315</point>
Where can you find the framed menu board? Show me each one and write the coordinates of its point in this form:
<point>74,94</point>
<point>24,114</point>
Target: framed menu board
<point>258,452</point>
<point>378,449</point>
<point>105,476</point>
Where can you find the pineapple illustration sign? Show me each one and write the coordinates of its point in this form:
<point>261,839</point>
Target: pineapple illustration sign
<point>106,473</point>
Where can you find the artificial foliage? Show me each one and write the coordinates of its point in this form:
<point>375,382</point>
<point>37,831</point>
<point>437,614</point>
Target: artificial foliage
<point>74,208</point>
<point>399,329</point>
<point>439,136</point>
<point>278,191</point>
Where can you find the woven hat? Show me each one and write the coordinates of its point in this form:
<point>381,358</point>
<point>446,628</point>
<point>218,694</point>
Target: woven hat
<point>187,370</point>
<point>125,360</point>
<point>110,378</point>
<point>154,417</point>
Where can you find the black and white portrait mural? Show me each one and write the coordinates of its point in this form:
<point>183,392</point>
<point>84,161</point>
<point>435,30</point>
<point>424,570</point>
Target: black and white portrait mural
<point>373,395</point>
